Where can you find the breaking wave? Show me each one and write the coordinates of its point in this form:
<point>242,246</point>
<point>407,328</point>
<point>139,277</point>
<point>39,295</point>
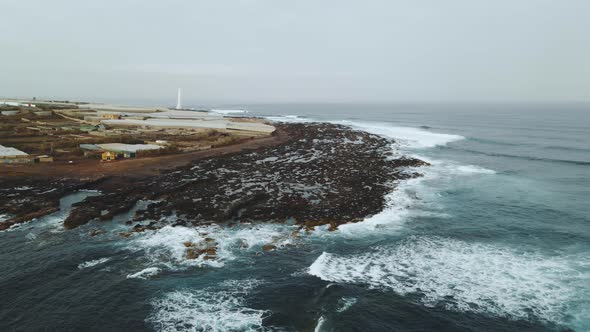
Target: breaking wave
<point>170,247</point>
<point>145,273</point>
<point>289,119</point>
<point>222,308</point>
<point>229,111</point>
<point>415,197</point>
<point>409,137</point>
<point>465,276</point>
<point>345,303</point>
<point>92,263</point>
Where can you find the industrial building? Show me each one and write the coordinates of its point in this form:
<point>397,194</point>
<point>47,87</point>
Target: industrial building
<point>9,155</point>
<point>44,159</point>
<point>113,151</point>
<point>17,103</point>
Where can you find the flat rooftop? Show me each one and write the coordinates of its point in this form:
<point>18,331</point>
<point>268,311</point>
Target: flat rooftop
<point>128,147</point>
<point>6,151</point>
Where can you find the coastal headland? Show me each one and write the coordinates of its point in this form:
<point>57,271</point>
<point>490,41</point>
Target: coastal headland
<point>304,174</point>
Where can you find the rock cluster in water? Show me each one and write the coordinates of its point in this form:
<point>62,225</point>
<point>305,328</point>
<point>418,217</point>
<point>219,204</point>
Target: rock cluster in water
<point>325,174</point>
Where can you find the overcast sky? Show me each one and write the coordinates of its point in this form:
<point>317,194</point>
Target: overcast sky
<point>296,51</point>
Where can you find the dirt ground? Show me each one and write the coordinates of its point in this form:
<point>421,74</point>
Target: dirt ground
<point>87,168</point>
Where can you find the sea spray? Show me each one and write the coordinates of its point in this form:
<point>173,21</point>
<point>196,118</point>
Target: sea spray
<point>217,309</point>
<point>462,276</point>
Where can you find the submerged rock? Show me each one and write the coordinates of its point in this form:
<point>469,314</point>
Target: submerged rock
<point>269,247</point>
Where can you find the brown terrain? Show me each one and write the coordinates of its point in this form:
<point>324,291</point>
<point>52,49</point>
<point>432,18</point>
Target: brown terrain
<point>145,166</point>
<point>303,174</point>
<point>311,174</point>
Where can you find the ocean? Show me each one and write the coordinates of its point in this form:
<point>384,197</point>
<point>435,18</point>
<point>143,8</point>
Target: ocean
<point>494,237</point>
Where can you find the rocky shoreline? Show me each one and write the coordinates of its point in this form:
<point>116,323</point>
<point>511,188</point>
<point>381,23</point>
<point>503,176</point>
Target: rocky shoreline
<point>324,174</point>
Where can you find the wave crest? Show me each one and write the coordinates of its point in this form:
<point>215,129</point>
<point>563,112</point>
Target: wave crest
<point>212,309</point>
<point>462,276</point>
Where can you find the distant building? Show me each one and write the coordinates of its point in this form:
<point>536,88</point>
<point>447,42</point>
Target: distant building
<point>90,149</point>
<point>114,151</point>
<point>127,150</point>
<point>44,159</point>
<point>9,155</point>
<point>111,116</point>
<point>15,103</point>
<point>9,112</point>
<point>108,156</point>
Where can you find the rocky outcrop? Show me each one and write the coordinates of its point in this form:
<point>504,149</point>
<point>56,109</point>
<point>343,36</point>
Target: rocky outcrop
<point>324,175</point>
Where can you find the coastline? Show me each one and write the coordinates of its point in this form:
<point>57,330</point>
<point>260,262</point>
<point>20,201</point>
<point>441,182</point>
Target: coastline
<point>308,174</point>
<point>145,166</point>
<point>425,247</point>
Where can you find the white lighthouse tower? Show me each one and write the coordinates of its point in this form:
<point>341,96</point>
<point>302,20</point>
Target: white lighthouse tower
<point>178,101</point>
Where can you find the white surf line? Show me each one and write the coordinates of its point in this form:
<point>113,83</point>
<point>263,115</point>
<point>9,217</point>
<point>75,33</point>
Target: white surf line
<point>464,276</point>
<point>218,309</point>
<point>92,263</point>
<point>401,201</point>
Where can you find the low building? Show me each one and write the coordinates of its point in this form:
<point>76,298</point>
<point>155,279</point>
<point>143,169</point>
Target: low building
<point>9,155</point>
<point>114,151</point>
<point>17,103</point>
<point>127,150</point>
<point>109,156</point>
<point>90,149</point>
<point>10,112</point>
<point>44,159</point>
<point>111,116</point>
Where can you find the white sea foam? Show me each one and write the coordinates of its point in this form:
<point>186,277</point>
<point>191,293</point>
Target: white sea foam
<point>53,222</point>
<point>94,262</point>
<point>463,276</point>
<point>414,197</point>
<point>320,324</point>
<point>212,309</point>
<point>145,273</point>
<point>167,246</point>
<point>229,111</point>
<point>411,197</point>
<point>399,204</point>
<point>345,303</point>
<point>472,169</point>
<point>289,119</point>
<point>408,136</point>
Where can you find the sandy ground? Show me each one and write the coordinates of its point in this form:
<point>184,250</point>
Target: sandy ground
<point>135,167</point>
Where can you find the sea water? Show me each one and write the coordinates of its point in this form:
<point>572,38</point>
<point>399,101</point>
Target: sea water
<point>495,236</point>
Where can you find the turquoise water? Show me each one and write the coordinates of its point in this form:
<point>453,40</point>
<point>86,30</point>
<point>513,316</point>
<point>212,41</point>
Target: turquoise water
<point>495,236</point>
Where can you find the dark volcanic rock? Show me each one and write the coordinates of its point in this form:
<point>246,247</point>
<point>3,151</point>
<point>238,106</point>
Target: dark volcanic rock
<point>326,174</point>
<point>27,198</point>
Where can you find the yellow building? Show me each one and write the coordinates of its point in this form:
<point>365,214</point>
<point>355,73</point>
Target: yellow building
<point>10,155</point>
<point>108,156</point>
<point>111,116</point>
<point>44,159</point>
